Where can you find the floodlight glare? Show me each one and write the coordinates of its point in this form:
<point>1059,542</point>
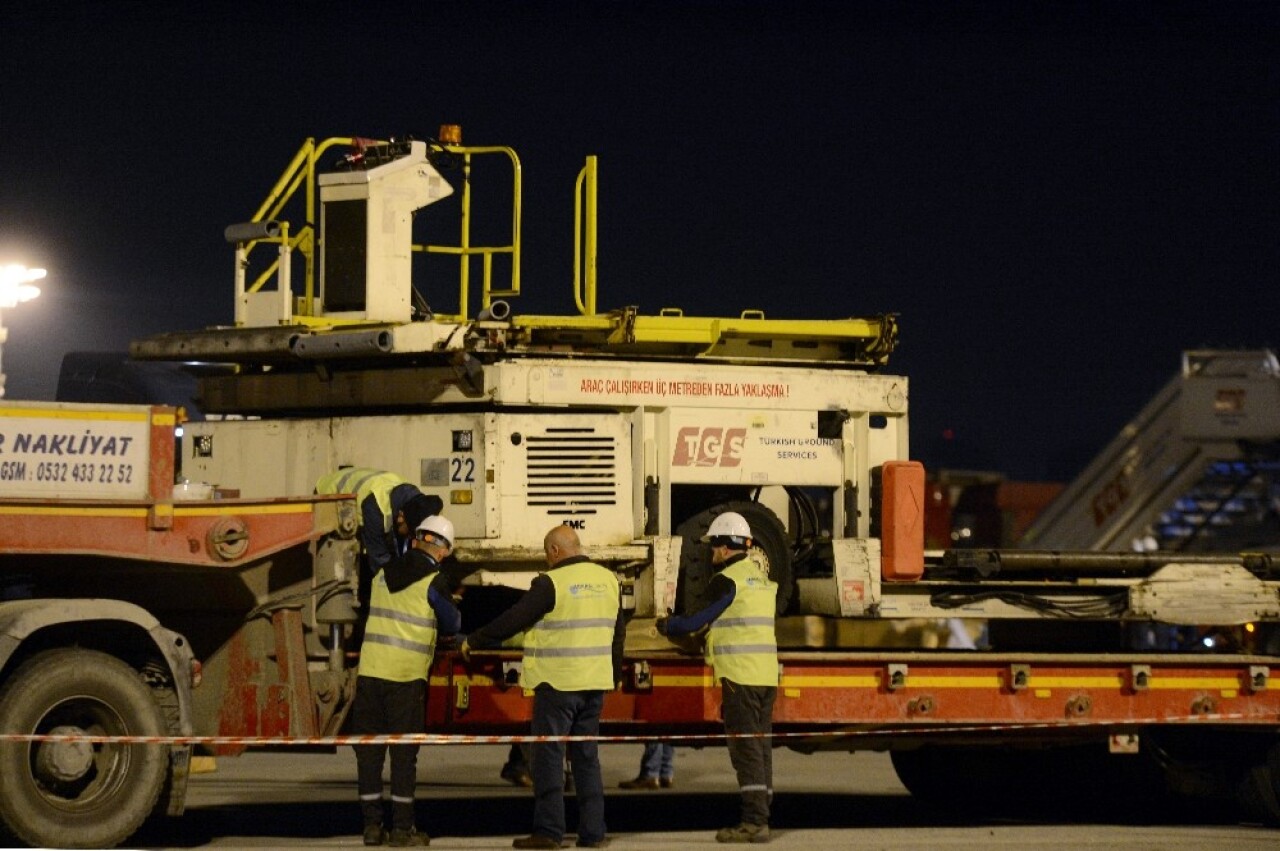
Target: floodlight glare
<point>15,288</point>
<point>15,284</point>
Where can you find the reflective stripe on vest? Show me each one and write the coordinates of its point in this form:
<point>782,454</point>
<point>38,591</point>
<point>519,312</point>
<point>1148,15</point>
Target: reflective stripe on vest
<point>400,636</point>
<point>363,481</point>
<point>571,648</point>
<point>742,645</point>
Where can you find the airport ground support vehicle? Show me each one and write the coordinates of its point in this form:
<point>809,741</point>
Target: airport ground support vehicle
<point>219,563</point>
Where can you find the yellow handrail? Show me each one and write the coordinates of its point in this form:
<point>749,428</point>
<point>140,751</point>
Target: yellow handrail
<point>301,172</point>
<point>585,193</point>
<point>464,249</point>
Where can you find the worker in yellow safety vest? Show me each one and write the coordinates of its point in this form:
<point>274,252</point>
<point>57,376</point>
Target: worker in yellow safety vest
<point>574,629</point>
<point>742,649</point>
<point>411,603</point>
<point>390,509</point>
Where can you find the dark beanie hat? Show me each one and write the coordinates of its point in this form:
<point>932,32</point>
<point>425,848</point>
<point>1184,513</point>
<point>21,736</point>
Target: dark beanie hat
<point>419,508</point>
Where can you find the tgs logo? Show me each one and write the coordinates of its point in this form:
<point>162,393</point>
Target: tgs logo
<point>708,447</point>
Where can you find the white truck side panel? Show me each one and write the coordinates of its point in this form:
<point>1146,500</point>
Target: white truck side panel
<point>61,450</point>
<point>504,478</point>
<point>751,447</point>
<point>693,385</point>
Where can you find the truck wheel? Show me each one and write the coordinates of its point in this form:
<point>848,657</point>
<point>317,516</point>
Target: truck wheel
<point>994,780</point>
<point>73,794</point>
<point>1259,790</point>
<point>771,549</point>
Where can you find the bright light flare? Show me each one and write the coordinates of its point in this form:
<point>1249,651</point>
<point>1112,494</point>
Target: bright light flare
<point>15,284</point>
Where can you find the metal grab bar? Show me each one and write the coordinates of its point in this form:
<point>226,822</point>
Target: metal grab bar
<point>300,175</point>
<point>465,250</point>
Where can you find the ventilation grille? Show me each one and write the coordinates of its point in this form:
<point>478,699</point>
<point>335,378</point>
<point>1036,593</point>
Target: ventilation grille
<point>571,471</point>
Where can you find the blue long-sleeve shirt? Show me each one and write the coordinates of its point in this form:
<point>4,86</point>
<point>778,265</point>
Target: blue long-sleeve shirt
<point>721,590</point>
<point>448,617</point>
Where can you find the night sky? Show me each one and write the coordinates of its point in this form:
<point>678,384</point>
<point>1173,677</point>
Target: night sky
<point>1057,199</point>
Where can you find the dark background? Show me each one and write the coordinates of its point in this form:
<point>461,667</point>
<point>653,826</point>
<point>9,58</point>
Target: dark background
<point>1056,198</point>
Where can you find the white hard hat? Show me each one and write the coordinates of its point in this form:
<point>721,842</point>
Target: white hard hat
<point>731,524</point>
<point>439,527</point>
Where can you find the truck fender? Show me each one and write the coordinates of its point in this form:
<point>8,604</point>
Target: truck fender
<point>20,619</point>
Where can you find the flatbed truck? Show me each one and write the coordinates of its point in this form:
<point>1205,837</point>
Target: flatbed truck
<point>220,607</point>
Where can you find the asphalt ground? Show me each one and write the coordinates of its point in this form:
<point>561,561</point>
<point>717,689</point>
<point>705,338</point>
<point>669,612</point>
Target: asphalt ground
<point>823,801</point>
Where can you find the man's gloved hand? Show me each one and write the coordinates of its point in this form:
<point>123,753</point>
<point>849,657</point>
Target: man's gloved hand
<point>465,649</point>
<point>661,625</point>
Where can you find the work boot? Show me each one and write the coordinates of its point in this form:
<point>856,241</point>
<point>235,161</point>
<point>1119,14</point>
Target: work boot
<point>537,840</point>
<point>407,838</point>
<point>743,833</point>
<point>516,776</point>
<point>667,782</point>
<point>374,834</point>
<point>642,783</point>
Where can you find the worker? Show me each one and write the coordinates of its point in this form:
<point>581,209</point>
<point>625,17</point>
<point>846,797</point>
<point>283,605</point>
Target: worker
<point>516,769</point>
<point>410,604</point>
<point>742,649</point>
<point>657,768</point>
<point>572,656</point>
<point>390,509</point>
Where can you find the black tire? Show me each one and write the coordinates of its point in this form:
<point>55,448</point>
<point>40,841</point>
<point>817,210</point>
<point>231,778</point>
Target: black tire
<point>772,550</point>
<point>929,773</point>
<point>1005,781</point>
<point>1258,793</point>
<point>62,795</point>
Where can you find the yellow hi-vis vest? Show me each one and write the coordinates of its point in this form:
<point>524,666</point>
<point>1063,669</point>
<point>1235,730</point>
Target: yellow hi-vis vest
<point>571,648</point>
<point>400,635</point>
<point>363,481</point>
<point>741,644</point>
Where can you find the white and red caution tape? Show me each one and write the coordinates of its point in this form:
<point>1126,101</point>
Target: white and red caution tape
<point>469,739</point>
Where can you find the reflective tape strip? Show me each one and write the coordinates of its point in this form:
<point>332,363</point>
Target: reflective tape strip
<point>402,617</point>
<point>745,648</point>
<point>402,643</point>
<point>582,623</point>
<point>745,622</point>
<point>568,651</point>
<point>376,796</point>
<point>399,800</point>
<point>755,788</point>
<point>346,480</point>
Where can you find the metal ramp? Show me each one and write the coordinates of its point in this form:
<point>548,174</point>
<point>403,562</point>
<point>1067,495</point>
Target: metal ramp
<point>1198,469</point>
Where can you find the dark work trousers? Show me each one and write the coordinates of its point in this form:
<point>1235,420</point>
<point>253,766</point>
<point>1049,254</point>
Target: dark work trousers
<point>567,713</point>
<point>749,709</point>
<point>381,707</point>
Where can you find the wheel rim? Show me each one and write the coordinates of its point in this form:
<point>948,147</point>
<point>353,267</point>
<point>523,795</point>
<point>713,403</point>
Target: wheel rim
<point>761,558</point>
<point>79,776</point>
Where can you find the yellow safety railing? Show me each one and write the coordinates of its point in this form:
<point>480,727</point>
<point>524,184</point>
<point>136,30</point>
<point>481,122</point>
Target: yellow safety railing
<point>465,250</point>
<point>300,175</point>
<point>301,172</point>
<point>584,238</point>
